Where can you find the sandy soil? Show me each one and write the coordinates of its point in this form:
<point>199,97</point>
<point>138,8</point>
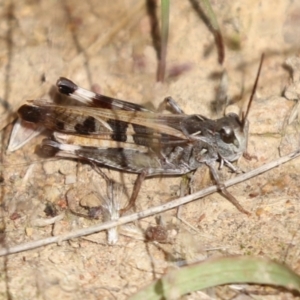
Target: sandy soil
<point>108,46</point>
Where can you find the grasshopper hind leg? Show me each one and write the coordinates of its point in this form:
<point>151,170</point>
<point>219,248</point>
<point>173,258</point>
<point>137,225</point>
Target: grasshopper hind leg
<point>135,192</point>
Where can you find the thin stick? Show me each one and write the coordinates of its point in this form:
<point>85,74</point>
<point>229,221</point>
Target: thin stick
<point>147,212</point>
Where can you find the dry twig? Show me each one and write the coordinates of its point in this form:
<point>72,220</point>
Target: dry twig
<point>147,212</point>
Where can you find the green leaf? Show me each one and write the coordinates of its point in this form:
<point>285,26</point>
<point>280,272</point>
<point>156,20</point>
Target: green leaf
<point>220,271</point>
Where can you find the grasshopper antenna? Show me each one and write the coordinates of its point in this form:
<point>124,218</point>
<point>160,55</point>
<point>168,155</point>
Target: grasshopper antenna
<point>244,116</point>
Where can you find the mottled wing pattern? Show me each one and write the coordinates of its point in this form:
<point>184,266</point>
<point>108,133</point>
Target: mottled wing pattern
<point>67,87</point>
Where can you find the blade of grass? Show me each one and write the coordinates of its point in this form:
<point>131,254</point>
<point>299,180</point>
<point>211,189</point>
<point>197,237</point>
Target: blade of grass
<point>206,12</point>
<point>217,272</point>
<point>165,11</point>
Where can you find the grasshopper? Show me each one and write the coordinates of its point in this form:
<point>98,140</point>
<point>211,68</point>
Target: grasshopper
<point>128,137</point>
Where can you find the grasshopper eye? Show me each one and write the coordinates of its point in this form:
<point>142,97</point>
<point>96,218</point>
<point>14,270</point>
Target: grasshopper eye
<point>227,135</point>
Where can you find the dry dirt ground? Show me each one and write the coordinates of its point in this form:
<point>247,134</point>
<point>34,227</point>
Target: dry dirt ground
<point>107,45</point>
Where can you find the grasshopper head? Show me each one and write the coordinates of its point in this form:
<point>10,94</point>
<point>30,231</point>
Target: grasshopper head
<point>232,131</point>
<point>231,137</point>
